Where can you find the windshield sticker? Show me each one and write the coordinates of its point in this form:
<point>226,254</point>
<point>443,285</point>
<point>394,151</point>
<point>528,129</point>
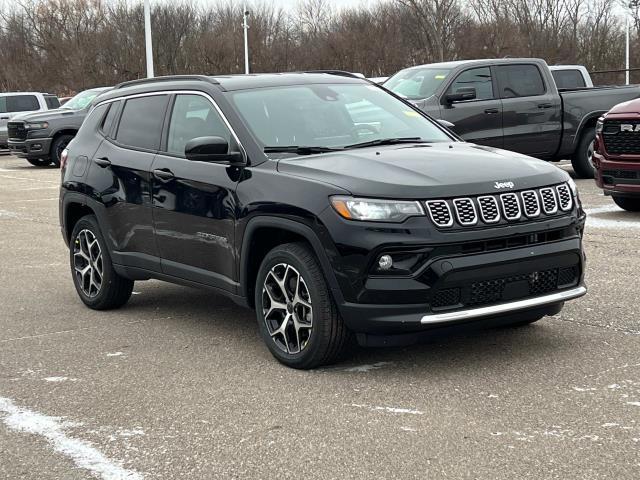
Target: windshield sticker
<point>411,113</point>
<point>439,77</point>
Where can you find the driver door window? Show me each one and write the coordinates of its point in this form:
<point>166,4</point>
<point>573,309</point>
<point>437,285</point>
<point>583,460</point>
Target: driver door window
<point>478,78</point>
<point>193,116</point>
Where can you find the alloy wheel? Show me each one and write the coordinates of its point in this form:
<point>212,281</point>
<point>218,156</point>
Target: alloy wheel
<point>286,307</point>
<point>590,150</point>
<point>87,263</point>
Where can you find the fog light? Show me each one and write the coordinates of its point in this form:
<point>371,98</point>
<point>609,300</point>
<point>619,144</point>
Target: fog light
<point>385,262</point>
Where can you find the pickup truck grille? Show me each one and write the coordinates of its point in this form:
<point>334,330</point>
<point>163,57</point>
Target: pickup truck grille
<point>504,208</point>
<point>16,131</point>
<point>618,141</point>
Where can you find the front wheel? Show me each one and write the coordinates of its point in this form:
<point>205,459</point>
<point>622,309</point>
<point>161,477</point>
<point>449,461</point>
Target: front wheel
<point>630,204</point>
<point>58,146</point>
<point>582,160</point>
<point>297,316</point>
<point>95,279</point>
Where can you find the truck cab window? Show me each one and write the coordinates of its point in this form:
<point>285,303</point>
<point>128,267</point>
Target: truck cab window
<point>519,81</point>
<point>478,78</point>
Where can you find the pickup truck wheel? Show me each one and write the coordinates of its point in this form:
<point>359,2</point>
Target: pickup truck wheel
<point>297,316</point>
<point>96,281</point>
<point>583,155</point>
<point>58,145</point>
<point>39,162</point>
<point>627,203</point>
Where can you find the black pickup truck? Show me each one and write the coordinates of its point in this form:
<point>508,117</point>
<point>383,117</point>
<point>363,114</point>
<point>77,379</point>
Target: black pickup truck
<point>514,104</point>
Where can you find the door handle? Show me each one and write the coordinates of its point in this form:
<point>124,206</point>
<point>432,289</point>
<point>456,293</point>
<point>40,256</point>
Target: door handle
<point>491,111</point>
<point>545,105</point>
<point>104,162</point>
<point>163,174</point>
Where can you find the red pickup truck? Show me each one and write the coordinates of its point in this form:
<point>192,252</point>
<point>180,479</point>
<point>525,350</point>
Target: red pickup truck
<point>616,155</point>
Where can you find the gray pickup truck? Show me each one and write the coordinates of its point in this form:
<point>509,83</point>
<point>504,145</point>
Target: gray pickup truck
<point>41,137</point>
<point>514,104</point>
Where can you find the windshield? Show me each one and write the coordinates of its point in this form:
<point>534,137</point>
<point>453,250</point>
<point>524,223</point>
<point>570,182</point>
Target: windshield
<point>416,83</point>
<point>81,100</point>
<point>333,116</point>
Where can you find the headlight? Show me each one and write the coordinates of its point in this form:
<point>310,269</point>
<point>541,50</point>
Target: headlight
<point>599,125</point>
<point>372,210</point>
<point>573,187</point>
<point>36,125</point>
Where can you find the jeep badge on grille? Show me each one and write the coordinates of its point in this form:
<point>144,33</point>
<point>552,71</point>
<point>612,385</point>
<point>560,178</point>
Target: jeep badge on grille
<point>500,185</point>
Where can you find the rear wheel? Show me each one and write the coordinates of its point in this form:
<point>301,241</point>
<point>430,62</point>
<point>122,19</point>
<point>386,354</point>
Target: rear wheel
<point>58,145</point>
<point>630,204</point>
<point>39,162</point>
<point>96,281</point>
<point>297,316</point>
<point>583,156</point>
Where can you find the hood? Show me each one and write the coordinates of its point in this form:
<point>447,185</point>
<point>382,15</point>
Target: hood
<point>46,115</point>
<point>632,106</point>
<point>425,170</point>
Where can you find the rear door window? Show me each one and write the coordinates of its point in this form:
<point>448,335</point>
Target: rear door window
<point>519,81</point>
<point>141,122</point>
<point>19,103</point>
<point>478,78</point>
<point>52,102</point>
<point>194,116</point>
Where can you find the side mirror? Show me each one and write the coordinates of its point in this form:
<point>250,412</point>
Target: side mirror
<point>445,123</point>
<point>211,149</point>
<point>462,94</point>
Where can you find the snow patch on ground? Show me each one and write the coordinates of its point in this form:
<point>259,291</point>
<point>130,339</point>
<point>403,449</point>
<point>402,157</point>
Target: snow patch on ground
<point>115,354</point>
<point>594,221</point>
<point>389,409</point>
<point>83,454</point>
<point>368,368</point>
<point>59,379</point>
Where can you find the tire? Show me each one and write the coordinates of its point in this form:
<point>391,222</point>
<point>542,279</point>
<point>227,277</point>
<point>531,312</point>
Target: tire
<point>58,145</point>
<point>581,160</point>
<point>321,337</point>
<point>39,162</point>
<point>88,250</point>
<point>630,204</point>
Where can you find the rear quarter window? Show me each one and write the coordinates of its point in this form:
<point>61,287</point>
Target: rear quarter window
<point>568,78</point>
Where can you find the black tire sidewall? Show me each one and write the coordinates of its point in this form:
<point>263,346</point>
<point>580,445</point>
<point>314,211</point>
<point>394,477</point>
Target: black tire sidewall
<point>630,204</point>
<point>55,158</point>
<point>320,308</point>
<point>90,223</point>
<point>580,162</point>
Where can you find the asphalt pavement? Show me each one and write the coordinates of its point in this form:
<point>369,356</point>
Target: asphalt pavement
<point>178,385</point>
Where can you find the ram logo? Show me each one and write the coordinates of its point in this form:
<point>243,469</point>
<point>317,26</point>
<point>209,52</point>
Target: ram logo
<point>500,185</point>
<point>627,127</point>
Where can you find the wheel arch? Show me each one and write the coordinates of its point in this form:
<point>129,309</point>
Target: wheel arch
<point>589,121</point>
<point>74,210</point>
<point>262,234</point>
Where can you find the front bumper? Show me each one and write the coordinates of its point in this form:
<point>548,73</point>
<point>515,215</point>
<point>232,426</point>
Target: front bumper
<point>31,148</point>
<point>3,139</point>
<point>464,289</point>
<point>617,177</point>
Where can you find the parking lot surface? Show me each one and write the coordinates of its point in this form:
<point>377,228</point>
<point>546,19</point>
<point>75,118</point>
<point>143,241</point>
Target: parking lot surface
<point>177,384</point>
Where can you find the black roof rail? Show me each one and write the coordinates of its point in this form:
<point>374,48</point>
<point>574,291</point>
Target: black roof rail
<point>340,73</point>
<point>168,78</point>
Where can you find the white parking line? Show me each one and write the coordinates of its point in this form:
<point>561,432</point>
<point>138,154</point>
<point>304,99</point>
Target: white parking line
<point>594,221</point>
<point>83,454</point>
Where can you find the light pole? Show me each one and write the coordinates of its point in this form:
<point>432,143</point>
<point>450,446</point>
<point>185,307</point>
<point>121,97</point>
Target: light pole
<point>245,27</point>
<point>147,38</point>
<point>632,4</point>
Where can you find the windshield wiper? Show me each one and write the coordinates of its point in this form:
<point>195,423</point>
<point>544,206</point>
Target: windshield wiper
<point>387,141</point>
<point>299,150</point>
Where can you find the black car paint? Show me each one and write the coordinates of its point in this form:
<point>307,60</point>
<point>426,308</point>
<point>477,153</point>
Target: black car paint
<point>547,126</point>
<point>198,228</point>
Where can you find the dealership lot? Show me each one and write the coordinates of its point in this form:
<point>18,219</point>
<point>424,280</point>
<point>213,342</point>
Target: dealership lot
<point>177,384</point>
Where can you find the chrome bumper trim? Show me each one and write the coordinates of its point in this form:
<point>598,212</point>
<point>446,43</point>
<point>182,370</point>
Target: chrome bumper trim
<point>504,307</point>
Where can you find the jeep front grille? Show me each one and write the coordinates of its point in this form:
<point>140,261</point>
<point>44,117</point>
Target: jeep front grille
<point>502,208</point>
<point>440,213</point>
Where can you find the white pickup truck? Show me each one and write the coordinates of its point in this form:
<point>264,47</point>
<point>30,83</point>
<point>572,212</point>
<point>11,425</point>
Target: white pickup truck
<point>571,76</point>
<point>14,103</point>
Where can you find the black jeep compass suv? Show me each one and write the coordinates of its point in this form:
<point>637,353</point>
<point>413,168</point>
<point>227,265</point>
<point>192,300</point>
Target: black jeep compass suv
<point>324,202</point>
